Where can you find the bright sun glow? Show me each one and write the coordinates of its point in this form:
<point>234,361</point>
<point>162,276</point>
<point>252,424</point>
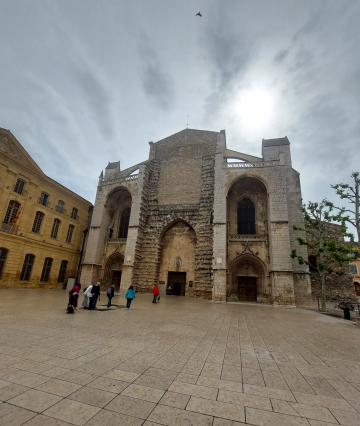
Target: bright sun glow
<point>255,108</point>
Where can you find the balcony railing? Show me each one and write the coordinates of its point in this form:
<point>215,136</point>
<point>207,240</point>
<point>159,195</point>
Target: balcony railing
<point>44,203</point>
<point>23,192</point>
<point>7,227</point>
<point>117,240</point>
<point>60,209</point>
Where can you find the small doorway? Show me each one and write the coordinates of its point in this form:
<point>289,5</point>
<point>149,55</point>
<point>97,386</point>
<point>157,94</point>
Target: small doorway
<point>116,279</point>
<point>177,283</point>
<point>247,289</point>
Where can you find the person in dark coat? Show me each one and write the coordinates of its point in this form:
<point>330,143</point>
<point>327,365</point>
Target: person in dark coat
<point>110,294</point>
<point>95,295</point>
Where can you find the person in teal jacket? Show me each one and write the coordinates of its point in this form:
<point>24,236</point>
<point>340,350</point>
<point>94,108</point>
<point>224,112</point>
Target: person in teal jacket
<point>129,295</point>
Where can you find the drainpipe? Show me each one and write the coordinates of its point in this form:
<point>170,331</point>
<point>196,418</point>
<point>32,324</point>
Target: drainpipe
<point>81,255</point>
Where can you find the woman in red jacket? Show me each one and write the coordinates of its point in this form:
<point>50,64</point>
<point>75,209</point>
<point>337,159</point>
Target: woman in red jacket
<point>155,293</point>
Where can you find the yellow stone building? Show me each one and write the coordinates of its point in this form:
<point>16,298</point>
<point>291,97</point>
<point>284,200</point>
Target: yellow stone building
<point>43,224</point>
<point>355,271</point>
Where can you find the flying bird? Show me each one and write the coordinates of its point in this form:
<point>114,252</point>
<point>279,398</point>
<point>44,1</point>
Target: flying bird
<point>199,14</point>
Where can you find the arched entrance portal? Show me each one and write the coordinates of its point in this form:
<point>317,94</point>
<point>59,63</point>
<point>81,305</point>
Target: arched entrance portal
<point>177,264</point>
<point>248,279</point>
<point>113,270</point>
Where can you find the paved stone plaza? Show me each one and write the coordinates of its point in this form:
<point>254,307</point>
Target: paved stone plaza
<point>180,362</point>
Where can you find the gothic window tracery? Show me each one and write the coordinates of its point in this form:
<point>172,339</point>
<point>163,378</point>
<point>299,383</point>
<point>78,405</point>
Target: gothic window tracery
<point>246,217</point>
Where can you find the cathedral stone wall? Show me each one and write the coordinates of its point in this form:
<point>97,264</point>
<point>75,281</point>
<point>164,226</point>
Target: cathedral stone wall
<point>184,219</point>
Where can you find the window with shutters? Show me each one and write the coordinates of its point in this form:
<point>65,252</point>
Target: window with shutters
<point>74,213</point>
<point>55,228</point>
<point>46,270</point>
<point>246,217</point>
<point>62,272</point>
<point>37,222</point>
<point>27,267</point>
<point>60,206</point>
<point>3,254</point>
<point>70,233</point>
<point>124,223</point>
<point>44,199</point>
<point>19,187</point>
<point>11,211</point>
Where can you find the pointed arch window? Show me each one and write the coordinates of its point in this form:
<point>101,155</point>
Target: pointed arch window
<point>3,255</point>
<point>246,217</point>
<point>37,222</point>
<point>124,223</point>
<point>55,228</point>
<point>11,211</point>
<point>46,270</point>
<point>27,267</point>
<point>62,272</point>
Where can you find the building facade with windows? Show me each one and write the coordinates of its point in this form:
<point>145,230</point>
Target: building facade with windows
<point>42,222</point>
<point>201,220</point>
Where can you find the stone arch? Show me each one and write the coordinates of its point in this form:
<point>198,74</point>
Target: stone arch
<point>117,189</point>
<point>110,262</point>
<point>254,189</point>
<point>233,182</point>
<point>117,200</point>
<point>177,250</point>
<point>171,221</point>
<point>248,265</point>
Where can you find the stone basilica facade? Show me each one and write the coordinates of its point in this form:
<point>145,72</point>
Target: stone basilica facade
<point>202,221</point>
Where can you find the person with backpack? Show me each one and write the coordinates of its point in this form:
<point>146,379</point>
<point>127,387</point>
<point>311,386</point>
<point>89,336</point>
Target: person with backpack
<point>155,293</point>
<point>110,294</point>
<point>129,295</point>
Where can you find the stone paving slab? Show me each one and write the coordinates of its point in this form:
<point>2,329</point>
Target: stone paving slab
<point>182,362</point>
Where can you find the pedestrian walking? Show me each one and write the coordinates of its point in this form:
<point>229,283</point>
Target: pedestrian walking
<point>95,295</point>
<point>129,295</point>
<point>87,296</point>
<point>110,294</point>
<point>155,293</point>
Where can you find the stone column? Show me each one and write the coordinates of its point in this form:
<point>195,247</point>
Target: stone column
<point>91,266</point>
<point>133,232</point>
<point>219,242</point>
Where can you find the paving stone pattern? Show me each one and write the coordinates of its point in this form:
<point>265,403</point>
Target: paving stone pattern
<point>181,362</point>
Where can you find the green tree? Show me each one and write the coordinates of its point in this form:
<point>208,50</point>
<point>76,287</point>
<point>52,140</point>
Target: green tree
<point>329,252</point>
<point>351,193</point>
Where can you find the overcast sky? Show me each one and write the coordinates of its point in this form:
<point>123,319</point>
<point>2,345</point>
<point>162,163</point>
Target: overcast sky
<point>85,82</point>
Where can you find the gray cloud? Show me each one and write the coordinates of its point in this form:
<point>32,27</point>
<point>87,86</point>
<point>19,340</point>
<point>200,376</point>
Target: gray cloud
<point>157,82</point>
<point>281,55</point>
<point>89,82</point>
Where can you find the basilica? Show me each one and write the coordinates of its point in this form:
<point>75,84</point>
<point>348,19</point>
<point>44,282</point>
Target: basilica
<point>200,220</point>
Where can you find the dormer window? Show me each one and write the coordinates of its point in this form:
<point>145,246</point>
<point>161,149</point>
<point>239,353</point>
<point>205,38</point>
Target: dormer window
<point>19,187</point>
